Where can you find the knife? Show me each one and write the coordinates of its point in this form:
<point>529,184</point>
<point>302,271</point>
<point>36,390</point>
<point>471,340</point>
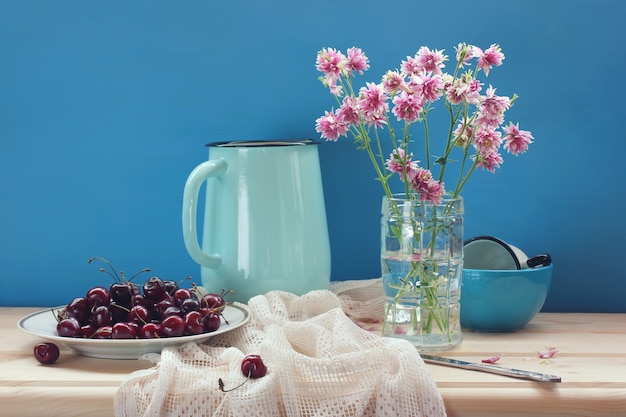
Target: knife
<point>494,369</point>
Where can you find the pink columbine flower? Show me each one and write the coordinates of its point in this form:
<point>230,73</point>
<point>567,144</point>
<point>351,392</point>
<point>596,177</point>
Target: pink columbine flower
<point>491,109</point>
<point>465,53</point>
<point>516,141</point>
<point>372,104</point>
<point>490,160</point>
<point>407,107</point>
<point>329,62</point>
<point>357,61</point>
<point>487,138</point>
<point>432,191</point>
<point>330,127</point>
<point>463,89</point>
<point>392,82</point>
<point>472,92</point>
<point>348,113</point>
<point>430,86</point>
<point>454,92</point>
<point>419,177</point>
<point>411,66</point>
<point>400,163</point>
<point>428,189</point>
<point>492,56</point>
<point>430,61</point>
<point>492,359</point>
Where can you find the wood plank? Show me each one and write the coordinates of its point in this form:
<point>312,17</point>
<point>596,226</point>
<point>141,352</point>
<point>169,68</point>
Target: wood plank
<point>591,361</point>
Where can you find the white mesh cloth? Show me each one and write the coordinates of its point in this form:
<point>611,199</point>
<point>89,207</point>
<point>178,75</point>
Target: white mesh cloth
<point>319,364</point>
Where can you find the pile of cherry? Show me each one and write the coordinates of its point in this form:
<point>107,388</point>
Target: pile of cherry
<point>158,308</point>
<point>125,310</point>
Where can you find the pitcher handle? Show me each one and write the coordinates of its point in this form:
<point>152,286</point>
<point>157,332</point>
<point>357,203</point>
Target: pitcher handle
<point>201,173</point>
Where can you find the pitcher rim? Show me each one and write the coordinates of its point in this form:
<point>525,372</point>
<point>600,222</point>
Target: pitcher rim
<point>261,143</point>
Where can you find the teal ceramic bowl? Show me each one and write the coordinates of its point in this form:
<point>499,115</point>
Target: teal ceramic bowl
<point>502,300</point>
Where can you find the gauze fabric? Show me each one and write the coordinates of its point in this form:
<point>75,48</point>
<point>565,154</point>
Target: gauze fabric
<point>320,363</point>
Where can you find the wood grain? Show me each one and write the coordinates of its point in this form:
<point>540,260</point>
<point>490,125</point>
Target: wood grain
<point>591,361</point>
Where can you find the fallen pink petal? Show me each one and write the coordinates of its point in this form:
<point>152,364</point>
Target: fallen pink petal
<point>551,351</point>
<point>492,359</point>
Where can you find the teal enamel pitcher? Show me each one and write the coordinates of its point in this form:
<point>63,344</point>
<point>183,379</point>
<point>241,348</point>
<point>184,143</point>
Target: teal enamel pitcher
<point>264,222</point>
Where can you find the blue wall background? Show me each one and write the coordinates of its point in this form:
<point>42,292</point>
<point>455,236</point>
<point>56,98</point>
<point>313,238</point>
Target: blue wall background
<point>105,108</point>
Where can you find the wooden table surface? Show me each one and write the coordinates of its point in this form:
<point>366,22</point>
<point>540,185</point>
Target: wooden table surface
<point>591,360</point>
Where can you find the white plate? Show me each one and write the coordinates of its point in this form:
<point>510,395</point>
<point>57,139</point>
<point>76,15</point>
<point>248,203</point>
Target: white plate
<point>44,324</point>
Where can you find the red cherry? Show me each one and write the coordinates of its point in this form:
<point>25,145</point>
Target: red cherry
<point>136,327</point>
<point>122,293</point>
<point>190,304</point>
<point>87,331</point>
<point>154,289</point>
<point>98,296</point>
<point>78,308</point>
<point>118,312</point>
<point>170,286</point>
<point>139,314</point>
<point>212,322</point>
<point>46,353</point>
<point>101,317</point>
<point>181,295</point>
<point>213,301</point>
<point>140,300</point>
<point>123,331</point>
<point>103,332</point>
<point>173,326</point>
<point>171,311</point>
<point>160,307</point>
<point>150,331</point>
<point>252,366</point>
<point>194,323</point>
<point>69,327</point>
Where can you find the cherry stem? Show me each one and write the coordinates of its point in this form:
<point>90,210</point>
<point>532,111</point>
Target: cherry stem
<point>137,273</point>
<point>188,277</point>
<point>117,277</point>
<point>114,275</point>
<point>220,382</point>
<point>195,288</point>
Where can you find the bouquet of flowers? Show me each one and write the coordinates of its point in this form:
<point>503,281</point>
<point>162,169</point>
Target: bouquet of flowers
<point>381,115</point>
<point>476,120</point>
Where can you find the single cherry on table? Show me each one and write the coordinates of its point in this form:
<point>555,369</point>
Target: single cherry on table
<point>46,353</point>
